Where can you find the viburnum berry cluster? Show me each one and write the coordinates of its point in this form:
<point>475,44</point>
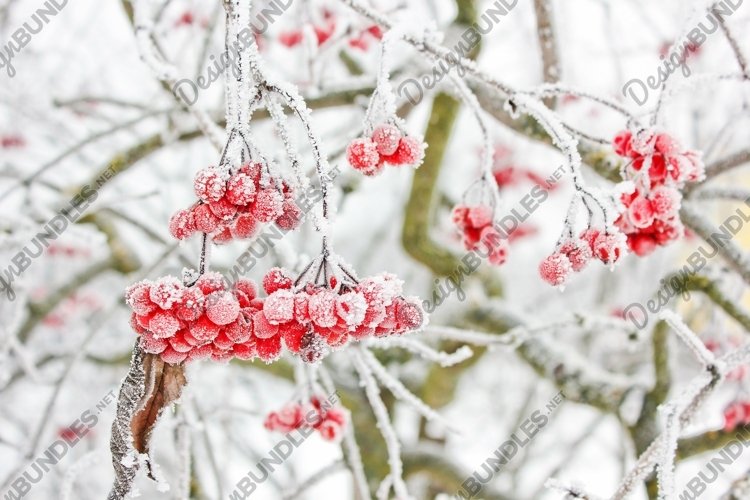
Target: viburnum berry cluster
<point>478,232</point>
<point>735,414</point>
<point>659,167</point>
<point>334,308</point>
<point>185,323</point>
<point>233,205</point>
<point>207,319</point>
<point>327,420</point>
<point>323,30</point>
<point>572,254</point>
<point>386,145</point>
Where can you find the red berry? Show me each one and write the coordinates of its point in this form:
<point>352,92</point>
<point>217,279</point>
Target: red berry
<point>362,154</point>
<point>351,308</point>
<point>204,219</point>
<point>173,357</point>
<point>276,279</point>
<point>244,226</point>
<point>224,235</point>
<point>166,292</point>
<point>182,225</point>
<point>262,328</point>
<point>292,333</point>
<point>137,296</point>
<point>410,152</point>
<point>409,315</point>
<point>322,308</point>
<point>153,345</point>
<point>578,253</point>
<point>191,305</point>
<point>204,330</point>
<point>163,324</point>
<point>240,331</point>
<point>268,348</point>
<point>249,288</point>
<point>279,307</point>
<point>241,189</point>
<point>210,282</point>
<point>609,247</point>
<point>641,212</point>
<point>208,185</point>
<point>222,308</point>
<point>268,205</point>
<point>223,209</point>
<point>555,269</point>
<point>386,138</point>
<point>290,217</point>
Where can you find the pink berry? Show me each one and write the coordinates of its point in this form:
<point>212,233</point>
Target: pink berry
<point>173,357</point>
<point>241,189</point>
<point>293,333</point>
<point>641,212</point>
<point>609,247</point>
<point>555,269</point>
<point>589,236</point>
<point>665,202</point>
<point>210,282</point>
<point>153,345</point>
<point>279,307</point>
<point>223,209</point>
<point>204,330</point>
<point>621,143</point>
<point>641,244</point>
<point>191,305</point>
<point>479,216</point>
<point>268,205</point>
<point>163,324</point>
<point>249,288</point>
<point>386,138</point>
<point>410,152</point>
<point>268,349</point>
<point>276,279</point>
<point>262,328</point>
<point>209,186</point>
<point>290,217</point>
<point>181,224</point>
<point>222,308</point>
<point>204,219</point>
<point>322,308</point>
<point>166,292</point>
<point>351,307</point>
<point>137,296</point>
<point>179,344</point>
<point>244,226</point>
<point>409,315</point>
<point>222,236</point>
<point>578,253</point>
<point>362,154</point>
<point>240,331</point>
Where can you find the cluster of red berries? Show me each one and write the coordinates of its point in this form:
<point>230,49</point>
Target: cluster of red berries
<point>328,421</point>
<point>323,31</point>
<point>476,226</point>
<point>386,145</point>
<point>363,39</point>
<point>572,255</point>
<point>736,414</point>
<point>200,321</point>
<point>233,206</point>
<point>659,167</point>
<point>208,320</point>
<point>312,317</point>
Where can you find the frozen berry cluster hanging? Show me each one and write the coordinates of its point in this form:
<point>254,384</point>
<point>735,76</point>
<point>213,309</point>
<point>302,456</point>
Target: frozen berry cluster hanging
<point>328,421</point>
<point>233,205</point>
<point>659,167</point>
<point>334,308</point>
<point>386,145</point>
<point>181,323</point>
<point>574,254</point>
<point>478,232</point>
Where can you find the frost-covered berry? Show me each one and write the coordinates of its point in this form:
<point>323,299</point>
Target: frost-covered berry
<point>249,288</point>
<point>244,351</point>
<point>208,185</point>
<point>222,308</point>
<point>240,330</point>
<point>223,209</point>
<point>410,151</point>
<point>276,279</point>
<point>589,236</point>
<point>386,138</point>
<point>665,202</point>
<point>223,235</point>
<point>191,305</point>
<point>409,315</point>
<point>163,324</point>
<point>279,307</point>
<point>578,253</point>
<point>322,308</point>
<point>268,349</point>
<point>351,307</point>
<point>166,291</point>
<point>204,330</point>
<point>179,344</point>
<point>210,282</point>
<point>641,212</point>
<point>293,333</point>
<point>268,205</point>
<point>204,219</point>
<point>290,217</point>
<point>622,143</point>
<point>182,224</point>
<point>641,244</point>
<point>241,189</point>
<point>153,345</point>
<point>290,417</point>
<point>173,357</point>
<point>244,226</point>
<point>479,216</point>
<point>555,269</point>
<point>362,154</point>
<point>262,328</point>
<point>137,296</point>
<point>609,247</point>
